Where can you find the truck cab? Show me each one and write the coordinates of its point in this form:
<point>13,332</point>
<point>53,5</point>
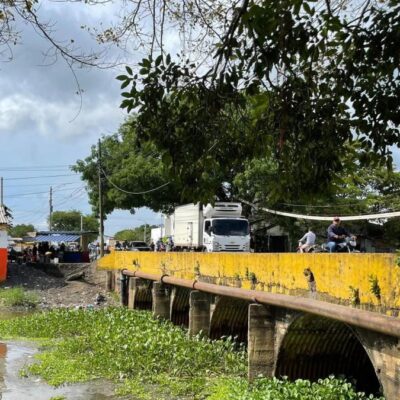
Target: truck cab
<point>224,229</point>
<point>226,234</point>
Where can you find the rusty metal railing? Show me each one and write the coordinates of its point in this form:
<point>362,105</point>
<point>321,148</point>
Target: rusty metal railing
<point>355,317</point>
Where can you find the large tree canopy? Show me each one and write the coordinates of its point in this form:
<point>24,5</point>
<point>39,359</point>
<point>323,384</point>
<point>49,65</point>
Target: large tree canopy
<point>20,230</point>
<point>140,233</point>
<point>130,171</point>
<point>71,221</point>
<point>296,98</point>
<point>317,79</point>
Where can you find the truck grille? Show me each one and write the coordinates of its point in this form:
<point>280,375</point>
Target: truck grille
<point>232,247</point>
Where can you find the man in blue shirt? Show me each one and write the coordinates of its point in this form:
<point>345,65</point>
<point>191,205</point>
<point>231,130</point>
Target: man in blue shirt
<point>336,234</point>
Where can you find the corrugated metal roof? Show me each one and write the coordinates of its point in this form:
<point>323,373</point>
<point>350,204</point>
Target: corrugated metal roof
<point>4,215</point>
<point>56,238</point>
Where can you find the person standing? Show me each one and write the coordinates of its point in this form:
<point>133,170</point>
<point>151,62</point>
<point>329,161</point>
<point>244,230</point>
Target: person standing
<point>170,244</point>
<point>34,253</point>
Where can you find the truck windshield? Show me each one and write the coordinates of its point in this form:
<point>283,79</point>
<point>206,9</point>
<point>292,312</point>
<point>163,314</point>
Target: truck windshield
<point>230,227</point>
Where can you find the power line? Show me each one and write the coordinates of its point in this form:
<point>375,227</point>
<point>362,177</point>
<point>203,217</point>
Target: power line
<point>135,193</point>
<point>27,167</point>
<point>34,193</point>
<point>37,177</point>
<point>56,169</point>
<point>73,196</point>
<point>41,184</point>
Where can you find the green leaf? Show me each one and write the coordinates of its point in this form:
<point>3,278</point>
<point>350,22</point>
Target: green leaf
<point>125,84</point>
<point>158,60</point>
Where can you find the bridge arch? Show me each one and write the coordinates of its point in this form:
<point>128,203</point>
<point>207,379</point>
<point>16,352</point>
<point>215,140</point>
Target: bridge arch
<point>142,294</point>
<point>316,347</point>
<point>180,306</point>
<point>229,318</point>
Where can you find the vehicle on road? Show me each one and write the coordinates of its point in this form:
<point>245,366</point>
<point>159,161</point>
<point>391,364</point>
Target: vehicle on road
<point>139,246</point>
<point>211,228</point>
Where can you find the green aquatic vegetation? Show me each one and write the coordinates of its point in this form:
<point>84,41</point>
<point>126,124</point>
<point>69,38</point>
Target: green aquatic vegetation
<point>18,297</point>
<point>152,359</point>
<point>274,389</point>
<point>126,347</point>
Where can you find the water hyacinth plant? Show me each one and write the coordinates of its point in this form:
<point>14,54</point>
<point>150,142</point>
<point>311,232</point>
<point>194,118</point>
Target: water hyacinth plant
<point>152,359</point>
<point>124,346</point>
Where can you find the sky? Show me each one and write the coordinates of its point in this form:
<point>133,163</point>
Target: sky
<point>44,128</point>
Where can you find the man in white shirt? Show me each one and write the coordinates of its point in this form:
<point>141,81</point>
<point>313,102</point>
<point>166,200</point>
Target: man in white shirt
<point>307,241</point>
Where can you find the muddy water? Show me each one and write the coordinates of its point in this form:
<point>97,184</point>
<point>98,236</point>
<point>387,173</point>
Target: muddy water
<point>16,355</point>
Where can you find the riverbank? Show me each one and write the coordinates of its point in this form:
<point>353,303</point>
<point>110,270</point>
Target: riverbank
<point>149,359</point>
<point>81,339</point>
<point>58,290</point>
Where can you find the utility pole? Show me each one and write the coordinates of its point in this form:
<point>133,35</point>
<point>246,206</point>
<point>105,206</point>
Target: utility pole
<point>144,236</point>
<point>101,226</point>
<point>1,191</point>
<point>110,275</point>
<point>81,223</point>
<point>50,208</point>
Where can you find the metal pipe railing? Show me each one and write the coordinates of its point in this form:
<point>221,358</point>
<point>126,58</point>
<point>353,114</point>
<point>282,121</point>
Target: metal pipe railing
<point>360,318</point>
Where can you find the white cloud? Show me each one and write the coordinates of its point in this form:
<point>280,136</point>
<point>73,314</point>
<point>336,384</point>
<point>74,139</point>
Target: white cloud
<point>21,113</point>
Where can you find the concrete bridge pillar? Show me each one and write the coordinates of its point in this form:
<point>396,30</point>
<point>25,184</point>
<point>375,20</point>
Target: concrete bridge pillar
<point>109,281</point>
<point>261,333</point>
<point>384,352</point>
<point>161,300</point>
<point>132,287</point>
<point>199,313</point>
<point>123,289</point>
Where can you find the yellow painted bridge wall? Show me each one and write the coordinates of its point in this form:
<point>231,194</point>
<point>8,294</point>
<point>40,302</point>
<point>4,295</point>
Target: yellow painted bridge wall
<point>371,279</point>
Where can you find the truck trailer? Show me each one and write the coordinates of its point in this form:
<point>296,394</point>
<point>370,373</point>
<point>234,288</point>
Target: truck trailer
<point>211,228</point>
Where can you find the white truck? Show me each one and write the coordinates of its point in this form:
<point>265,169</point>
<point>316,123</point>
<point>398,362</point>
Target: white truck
<point>210,228</point>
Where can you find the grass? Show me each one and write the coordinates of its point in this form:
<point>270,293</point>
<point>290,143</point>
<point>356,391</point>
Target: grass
<point>18,297</point>
<point>151,359</point>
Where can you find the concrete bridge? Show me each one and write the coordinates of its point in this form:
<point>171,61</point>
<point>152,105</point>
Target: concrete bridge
<point>302,315</point>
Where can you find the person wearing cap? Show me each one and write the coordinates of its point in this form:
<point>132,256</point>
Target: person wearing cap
<point>336,234</point>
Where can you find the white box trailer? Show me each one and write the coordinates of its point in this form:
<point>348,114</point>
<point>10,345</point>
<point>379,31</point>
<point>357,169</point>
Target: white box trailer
<point>212,228</point>
<point>186,223</point>
<point>157,233</point>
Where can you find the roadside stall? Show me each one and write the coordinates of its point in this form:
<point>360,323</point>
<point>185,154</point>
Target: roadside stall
<point>62,247</point>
